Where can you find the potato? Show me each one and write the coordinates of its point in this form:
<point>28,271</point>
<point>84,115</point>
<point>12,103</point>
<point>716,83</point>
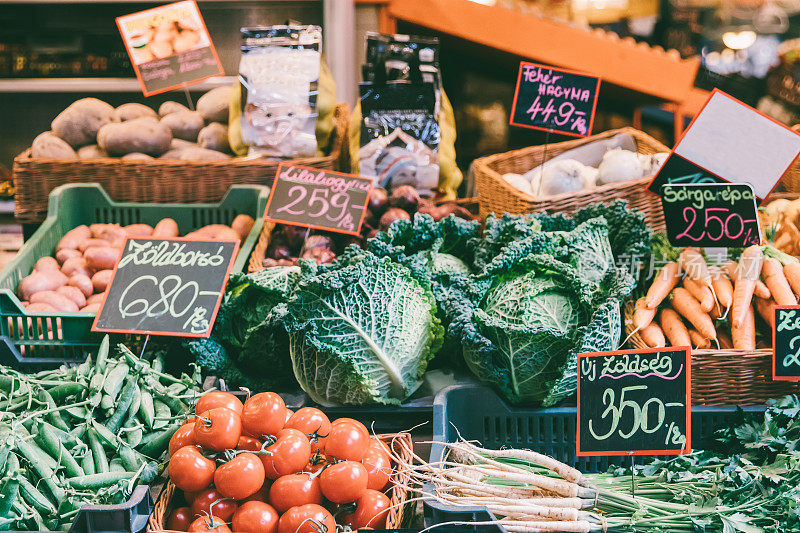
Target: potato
<point>177,144</point>
<point>59,301</point>
<point>74,237</point>
<point>133,110</point>
<point>242,225</point>
<point>80,123</point>
<point>74,294</point>
<point>93,243</point>
<point>214,232</point>
<point>184,124</point>
<point>172,154</point>
<point>144,135</point>
<point>101,280</point>
<point>66,253</point>
<point>40,307</point>
<point>48,146</point>
<point>82,283</point>
<point>97,230</point>
<point>96,298</point>
<point>101,258</point>
<point>75,265</point>
<point>214,104</point>
<point>46,263</point>
<point>201,154</point>
<point>166,227</point>
<point>92,308</point>
<point>136,156</point>
<point>91,151</point>
<point>170,107</point>
<point>214,137</point>
<point>139,230</point>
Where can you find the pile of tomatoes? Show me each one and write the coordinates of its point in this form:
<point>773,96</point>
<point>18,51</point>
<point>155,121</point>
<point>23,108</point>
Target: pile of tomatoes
<point>258,467</point>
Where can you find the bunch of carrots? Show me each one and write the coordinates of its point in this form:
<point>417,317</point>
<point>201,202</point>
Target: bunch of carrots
<point>693,304</point>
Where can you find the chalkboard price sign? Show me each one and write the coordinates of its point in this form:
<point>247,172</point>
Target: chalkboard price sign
<point>167,287</point>
<point>320,199</point>
<point>786,343</point>
<point>711,214</point>
<point>634,402</point>
<point>554,100</point>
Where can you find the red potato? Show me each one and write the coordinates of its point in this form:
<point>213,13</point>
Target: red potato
<point>214,232</point>
<point>96,298</point>
<point>99,229</point>
<point>73,238</point>
<point>41,308</point>
<point>83,283</point>
<point>114,234</point>
<point>139,230</point>
<point>94,243</point>
<point>91,308</point>
<point>56,300</point>
<point>66,253</point>
<point>101,258</point>
<point>39,282</point>
<point>74,294</point>
<point>45,263</point>
<point>101,280</point>
<point>242,225</point>
<point>166,227</point>
<point>75,265</point>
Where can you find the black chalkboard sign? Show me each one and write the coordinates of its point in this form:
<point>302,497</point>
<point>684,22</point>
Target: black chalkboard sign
<point>634,402</point>
<point>786,343</point>
<point>711,214</point>
<point>167,287</point>
<point>554,100</point>
<point>321,199</point>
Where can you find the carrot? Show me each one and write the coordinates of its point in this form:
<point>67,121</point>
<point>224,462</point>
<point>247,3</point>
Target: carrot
<point>744,335</point>
<point>744,283</point>
<point>642,315</point>
<point>725,342</point>
<point>764,308</point>
<point>685,304</point>
<point>778,285</point>
<point>701,293</point>
<point>674,328</point>
<point>698,341</point>
<point>653,336</point>
<point>665,281</point>
<point>761,290</point>
<point>723,288</point>
<point>792,274</point>
<point>716,313</point>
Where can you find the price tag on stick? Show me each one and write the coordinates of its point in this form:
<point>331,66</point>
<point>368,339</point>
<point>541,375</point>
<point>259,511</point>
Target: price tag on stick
<point>786,343</point>
<point>320,199</point>
<point>167,287</point>
<point>711,215</point>
<point>634,402</point>
<point>557,100</point>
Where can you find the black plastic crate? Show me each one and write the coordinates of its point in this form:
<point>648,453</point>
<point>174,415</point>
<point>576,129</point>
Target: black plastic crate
<point>477,413</point>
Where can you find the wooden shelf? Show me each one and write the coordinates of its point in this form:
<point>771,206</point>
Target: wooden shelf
<point>623,62</point>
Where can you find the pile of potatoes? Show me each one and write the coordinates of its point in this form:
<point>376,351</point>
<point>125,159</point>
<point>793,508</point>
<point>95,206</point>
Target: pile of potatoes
<point>92,129</point>
<point>77,277</point>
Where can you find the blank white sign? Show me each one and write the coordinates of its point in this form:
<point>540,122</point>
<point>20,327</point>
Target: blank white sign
<point>739,144</point>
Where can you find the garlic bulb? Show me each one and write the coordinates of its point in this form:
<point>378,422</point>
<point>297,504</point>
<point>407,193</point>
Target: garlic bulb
<point>518,181</point>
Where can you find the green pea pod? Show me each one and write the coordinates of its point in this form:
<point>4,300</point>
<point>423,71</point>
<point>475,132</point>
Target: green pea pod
<point>176,389</point>
<point>34,497</point>
<point>48,477</point>
<point>55,447</point>
<point>53,417</point>
<point>158,363</point>
<point>102,355</point>
<point>146,409</point>
<point>98,481</point>
<point>163,414</point>
<point>115,380</point>
<point>123,405</point>
<point>116,465</point>
<point>9,490</point>
<point>107,403</point>
<point>157,442</point>
<point>61,392</point>
<point>134,437</point>
<point>85,368</point>
<point>87,463</point>
<point>133,411</point>
<point>98,453</point>
<point>96,383</point>
<point>131,459</point>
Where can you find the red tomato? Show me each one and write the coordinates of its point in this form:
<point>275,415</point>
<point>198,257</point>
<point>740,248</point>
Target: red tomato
<point>263,493</point>
<point>313,423</point>
<point>289,414</point>
<point>314,465</point>
<point>348,440</point>
<point>255,517</point>
<point>218,429</point>
<point>190,420</point>
<point>295,489</point>
<point>289,454</point>
<point>344,482</point>
<point>240,477</point>
<point>308,518</point>
<point>189,496</point>
<point>180,519</point>
<point>371,511</point>
<point>212,502</point>
<point>379,468</point>
<point>184,436</point>
<point>376,443</point>
<point>209,525</point>
<point>190,470</point>
<point>210,400</point>
<point>248,443</point>
<point>264,414</point>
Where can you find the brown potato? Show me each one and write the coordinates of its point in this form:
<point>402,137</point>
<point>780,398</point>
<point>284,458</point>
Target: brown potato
<point>73,238</point>
<point>73,293</point>
<point>201,154</point>
<point>214,232</point>
<point>136,156</point>
<point>91,151</point>
<point>242,225</point>
<point>82,283</point>
<point>96,298</point>
<point>93,243</point>
<point>170,107</point>
<point>40,307</point>
<point>101,258</point>
<point>59,301</point>
<point>184,124</point>
<point>214,104</point>
<point>66,253</point>
<point>45,263</point>
<point>166,227</point>
<point>92,308</point>
<point>39,282</point>
<point>214,137</point>
<point>133,110</point>
<point>79,123</point>
<point>139,230</point>
<point>177,144</point>
<point>144,135</point>
<point>101,280</point>
<point>75,265</point>
<point>48,146</point>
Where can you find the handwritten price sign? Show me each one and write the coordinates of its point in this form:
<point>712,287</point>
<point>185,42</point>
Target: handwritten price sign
<point>711,214</point>
<point>320,199</point>
<point>554,100</point>
<point>167,287</point>
<point>786,343</point>
<point>634,402</point>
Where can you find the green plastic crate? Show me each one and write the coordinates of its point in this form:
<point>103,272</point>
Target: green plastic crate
<point>68,335</point>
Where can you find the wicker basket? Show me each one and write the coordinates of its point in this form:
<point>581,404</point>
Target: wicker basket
<point>159,180</point>
<point>495,195</point>
<point>726,377</point>
<point>791,179</point>
<point>400,514</point>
